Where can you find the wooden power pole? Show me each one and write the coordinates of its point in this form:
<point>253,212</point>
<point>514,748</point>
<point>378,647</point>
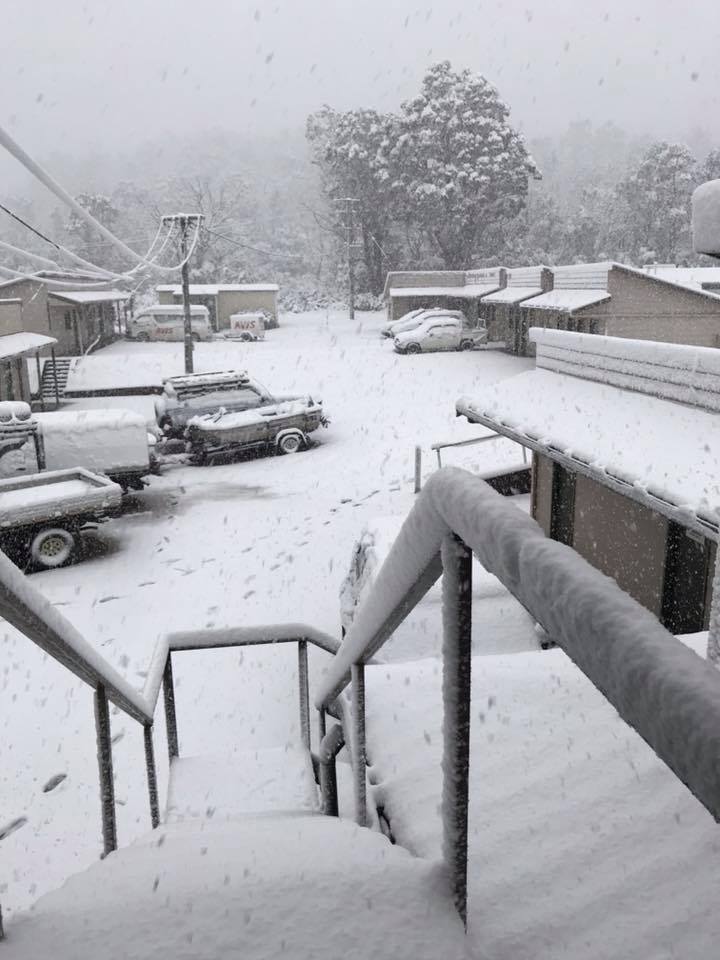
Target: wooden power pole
<point>185,221</point>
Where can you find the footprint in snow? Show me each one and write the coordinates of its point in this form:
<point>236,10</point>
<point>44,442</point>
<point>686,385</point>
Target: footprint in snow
<point>12,826</point>
<point>53,782</point>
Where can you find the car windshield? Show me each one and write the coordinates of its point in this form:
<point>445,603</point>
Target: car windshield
<point>360,479</point>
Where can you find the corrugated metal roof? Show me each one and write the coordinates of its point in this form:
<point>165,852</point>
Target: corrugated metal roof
<point>20,344</point>
<point>512,294</point>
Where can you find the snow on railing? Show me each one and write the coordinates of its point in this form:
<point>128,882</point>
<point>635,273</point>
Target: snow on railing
<point>658,685</point>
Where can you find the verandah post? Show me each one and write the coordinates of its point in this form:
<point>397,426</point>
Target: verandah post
<point>105,770</point>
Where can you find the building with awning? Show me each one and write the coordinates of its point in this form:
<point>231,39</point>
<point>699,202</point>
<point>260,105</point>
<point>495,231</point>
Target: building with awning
<point>20,363</point>
<point>625,438</point>
<point>615,300</point>
<point>407,290</point>
<point>500,309</point>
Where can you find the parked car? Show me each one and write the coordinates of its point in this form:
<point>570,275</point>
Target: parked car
<point>440,333</point>
<point>201,394</point>
<point>387,330</point>
<point>418,317</point>
<point>246,327</point>
<point>168,323</point>
<point>499,623</point>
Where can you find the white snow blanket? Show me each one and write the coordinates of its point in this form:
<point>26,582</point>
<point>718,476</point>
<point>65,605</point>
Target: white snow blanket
<point>582,844</point>
<point>106,441</point>
<point>220,421</point>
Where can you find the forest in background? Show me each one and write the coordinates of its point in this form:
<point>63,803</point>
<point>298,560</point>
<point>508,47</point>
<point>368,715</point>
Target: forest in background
<point>446,183</point>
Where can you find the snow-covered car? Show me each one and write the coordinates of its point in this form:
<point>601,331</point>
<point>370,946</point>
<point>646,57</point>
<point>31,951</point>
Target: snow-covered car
<point>387,330</point>
<point>415,319</point>
<point>500,624</point>
<point>198,395</point>
<point>440,333</point>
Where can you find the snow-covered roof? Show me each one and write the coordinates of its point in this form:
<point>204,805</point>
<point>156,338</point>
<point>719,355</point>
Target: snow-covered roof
<point>694,276</point>
<point>667,450</point>
<point>567,300</point>
<point>20,344</point>
<point>467,292</point>
<point>212,289</point>
<point>89,296</point>
<point>512,294</point>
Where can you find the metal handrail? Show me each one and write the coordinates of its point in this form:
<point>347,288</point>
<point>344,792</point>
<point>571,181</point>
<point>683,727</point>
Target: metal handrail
<point>668,694</point>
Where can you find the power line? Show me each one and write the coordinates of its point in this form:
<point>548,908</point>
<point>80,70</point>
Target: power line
<point>248,246</point>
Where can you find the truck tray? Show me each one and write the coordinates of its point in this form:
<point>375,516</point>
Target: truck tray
<point>39,497</point>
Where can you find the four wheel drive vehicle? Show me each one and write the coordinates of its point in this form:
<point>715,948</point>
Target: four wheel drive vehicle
<point>43,515</point>
<point>246,327</point>
<point>201,394</point>
<point>440,333</point>
<point>419,317</point>
<point>280,427</point>
<point>499,623</point>
<point>168,323</point>
<point>115,443</point>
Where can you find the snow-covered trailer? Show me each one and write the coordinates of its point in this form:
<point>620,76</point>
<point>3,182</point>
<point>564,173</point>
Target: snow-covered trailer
<point>42,515</point>
<point>281,427</point>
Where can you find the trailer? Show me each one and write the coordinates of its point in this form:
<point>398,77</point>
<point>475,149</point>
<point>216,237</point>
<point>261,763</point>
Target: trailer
<point>43,515</point>
<point>276,428</point>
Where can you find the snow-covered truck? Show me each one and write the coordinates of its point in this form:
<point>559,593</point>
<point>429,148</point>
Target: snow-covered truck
<point>115,443</point>
<point>43,515</point>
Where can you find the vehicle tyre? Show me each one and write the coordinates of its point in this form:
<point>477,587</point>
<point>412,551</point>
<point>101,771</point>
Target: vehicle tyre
<point>52,547</point>
<point>142,337</point>
<point>467,345</point>
<point>290,443</point>
<point>246,338</point>
<point>195,337</point>
<point>413,348</point>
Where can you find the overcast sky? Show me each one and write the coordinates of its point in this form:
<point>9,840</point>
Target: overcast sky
<point>76,73</point>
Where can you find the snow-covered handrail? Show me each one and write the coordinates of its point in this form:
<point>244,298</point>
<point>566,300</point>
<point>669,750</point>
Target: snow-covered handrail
<point>668,694</point>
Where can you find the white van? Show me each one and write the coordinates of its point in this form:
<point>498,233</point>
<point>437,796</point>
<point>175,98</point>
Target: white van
<point>168,323</point>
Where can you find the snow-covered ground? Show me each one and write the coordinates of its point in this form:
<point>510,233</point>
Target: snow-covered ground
<point>263,540</point>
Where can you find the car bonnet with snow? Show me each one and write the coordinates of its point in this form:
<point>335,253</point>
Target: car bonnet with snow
<point>412,323</point>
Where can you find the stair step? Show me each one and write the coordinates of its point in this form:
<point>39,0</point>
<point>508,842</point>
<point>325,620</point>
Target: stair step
<point>272,780</point>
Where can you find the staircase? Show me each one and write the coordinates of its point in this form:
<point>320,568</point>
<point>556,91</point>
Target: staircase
<point>244,865</point>
<point>61,365</point>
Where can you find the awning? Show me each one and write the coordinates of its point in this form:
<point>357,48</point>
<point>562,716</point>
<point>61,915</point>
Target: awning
<point>666,450</point>
<point>512,294</point>
<point>88,296</point>
<point>566,301</point>
<point>467,292</point>
<point>23,344</point>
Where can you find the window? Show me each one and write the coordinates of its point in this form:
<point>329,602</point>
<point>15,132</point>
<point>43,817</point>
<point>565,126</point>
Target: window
<point>68,320</point>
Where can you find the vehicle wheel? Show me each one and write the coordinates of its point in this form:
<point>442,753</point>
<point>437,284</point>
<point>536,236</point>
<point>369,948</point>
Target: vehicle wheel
<point>413,348</point>
<point>290,443</point>
<point>195,337</point>
<point>52,547</point>
<point>466,345</point>
<point>246,338</point>
<point>142,337</point>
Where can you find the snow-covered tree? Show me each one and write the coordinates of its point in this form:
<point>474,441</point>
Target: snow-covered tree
<point>86,240</point>
<point>351,151</point>
<point>657,195</point>
<point>709,169</point>
<point>458,167</point>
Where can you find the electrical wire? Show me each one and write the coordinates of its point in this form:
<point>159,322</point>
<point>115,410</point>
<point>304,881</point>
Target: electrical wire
<point>54,187</point>
<point>247,246</point>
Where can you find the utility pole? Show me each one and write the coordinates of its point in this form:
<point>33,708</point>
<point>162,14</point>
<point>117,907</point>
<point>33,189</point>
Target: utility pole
<point>185,221</point>
<point>350,246</point>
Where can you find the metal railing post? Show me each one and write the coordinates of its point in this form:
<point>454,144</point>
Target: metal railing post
<point>170,716</point>
<point>151,775</point>
<point>322,724</point>
<point>105,770</point>
<point>418,469</point>
<point>358,742</point>
<point>457,660</point>
<point>330,745</point>
<point>304,692</point>
<point>55,377</point>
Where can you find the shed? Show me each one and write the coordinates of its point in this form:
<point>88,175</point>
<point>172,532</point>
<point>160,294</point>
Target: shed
<point>225,299</point>
<point>451,289</point>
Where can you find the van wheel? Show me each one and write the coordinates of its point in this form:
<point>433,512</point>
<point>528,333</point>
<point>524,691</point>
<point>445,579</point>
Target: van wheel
<point>52,547</point>
<point>466,345</point>
<point>413,348</point>
<point>195,337</point>
<point>142,337</point>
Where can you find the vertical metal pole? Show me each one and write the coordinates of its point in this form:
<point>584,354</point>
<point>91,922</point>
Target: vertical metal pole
<point>304,692</point>
<point>55,379</point>
<point>322,725</point>
<point>105,769</point>
<point>457,659</point>
<point>39,376</point>
<point>186,297</point>
<point>151,775</point>
<point>418,469</point>
<point>358,745</point>
<point>170,717</point>
<point>351,266</point>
